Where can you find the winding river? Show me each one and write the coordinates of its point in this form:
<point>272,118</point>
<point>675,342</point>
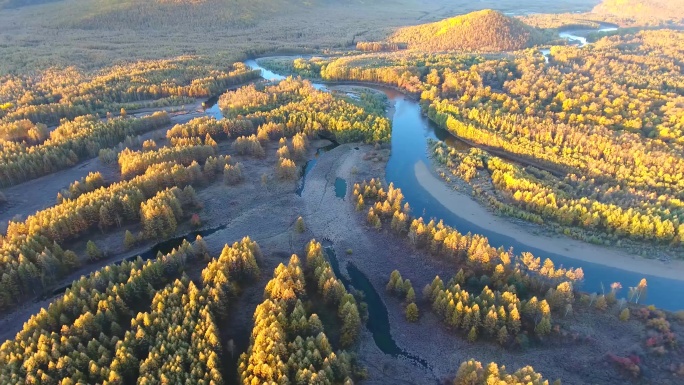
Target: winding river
<point>576,36</point>
<point>410,134</point>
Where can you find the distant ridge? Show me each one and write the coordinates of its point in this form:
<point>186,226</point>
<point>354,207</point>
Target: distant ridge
<point>485,30</point>
<point>662,10</point>
<point>22,3</point>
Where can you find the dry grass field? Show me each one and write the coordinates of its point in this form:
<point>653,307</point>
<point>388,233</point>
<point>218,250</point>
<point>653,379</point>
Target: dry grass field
<point>625,13</point>
<point>95,33</point>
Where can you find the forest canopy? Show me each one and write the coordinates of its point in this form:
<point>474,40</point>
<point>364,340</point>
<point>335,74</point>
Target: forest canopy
<point>485,30</point>
<point>147,157</point>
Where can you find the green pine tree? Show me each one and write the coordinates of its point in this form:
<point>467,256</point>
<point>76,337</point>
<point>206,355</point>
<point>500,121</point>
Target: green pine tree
<point>299,225</point>
<point>93,251</point>
<point>412,312</point>
<point>129,240</point>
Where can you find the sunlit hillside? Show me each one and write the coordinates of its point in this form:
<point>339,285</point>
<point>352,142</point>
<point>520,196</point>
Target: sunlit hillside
<point>485,30</point>
<point>625,13</point>
<point>665,10</point>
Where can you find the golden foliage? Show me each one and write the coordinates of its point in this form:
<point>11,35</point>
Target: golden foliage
<point>485,30</point>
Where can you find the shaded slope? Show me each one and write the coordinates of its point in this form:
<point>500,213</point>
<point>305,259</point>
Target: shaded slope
<point>193,14</point>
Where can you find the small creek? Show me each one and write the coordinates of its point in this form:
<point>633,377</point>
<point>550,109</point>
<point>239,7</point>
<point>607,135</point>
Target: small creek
<point>378,317</point>
<point>163,247</point>
<point>309,165</point>
<point>166,246</point>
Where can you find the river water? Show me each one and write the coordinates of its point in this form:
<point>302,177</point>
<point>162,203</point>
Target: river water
<point>378,317</point>
<point>411,131</point>
<point>163,247</point>
<point>410,134</point>
<point>577,36</point>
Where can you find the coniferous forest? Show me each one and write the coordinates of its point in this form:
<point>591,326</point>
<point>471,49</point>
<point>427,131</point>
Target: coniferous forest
<point>340,193</point>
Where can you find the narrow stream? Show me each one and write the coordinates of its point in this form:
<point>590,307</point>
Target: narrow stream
<point>166,246</point>
<point>310,165</point>
<point>578,36</point>
<point>163,247</point>
<point>378,317</point>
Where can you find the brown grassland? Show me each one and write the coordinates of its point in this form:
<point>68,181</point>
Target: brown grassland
<point>625,13</point>
<point>95,33</point>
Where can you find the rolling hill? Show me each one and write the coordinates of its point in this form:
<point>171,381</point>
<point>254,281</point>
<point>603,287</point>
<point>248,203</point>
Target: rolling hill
<point>643,10</point>
<point>485,30</point>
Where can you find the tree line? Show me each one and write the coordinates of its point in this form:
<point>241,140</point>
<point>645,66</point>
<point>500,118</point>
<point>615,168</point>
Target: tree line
<point>378,46</point>
<point>570,203</point>
<point>68,93</point>
<point>501,277</point>
<point>31,258</point>
<point>72,142</point>
<point>136,162</point>
<point>296,106</point>
<point>88,183</point>
<point>83,329</point>
<point>217,129</point>
<point>473,372</point>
